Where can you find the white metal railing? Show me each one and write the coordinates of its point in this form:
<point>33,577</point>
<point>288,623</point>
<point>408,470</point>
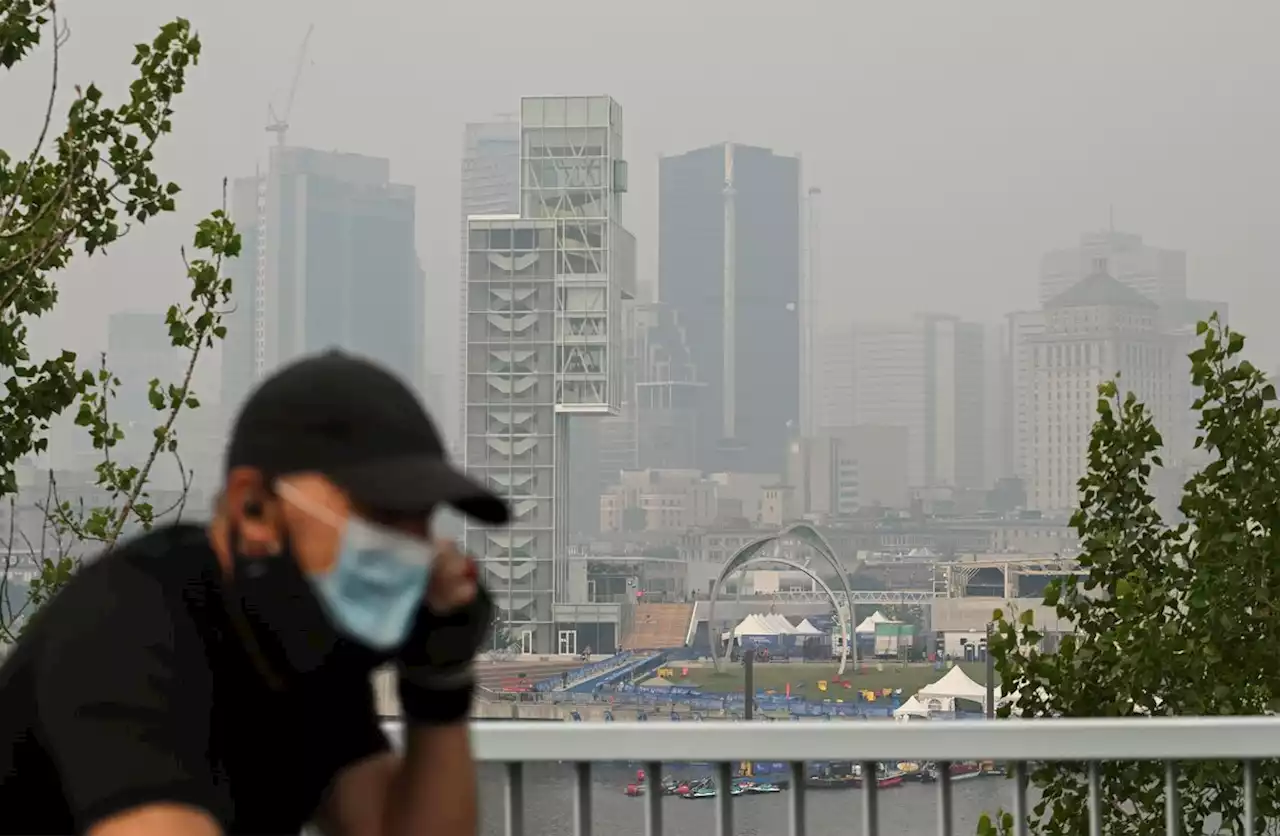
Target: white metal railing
<point>1090,741</point>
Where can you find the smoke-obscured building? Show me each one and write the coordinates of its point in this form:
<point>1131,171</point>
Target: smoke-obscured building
<point>729,261</point>
<point>328,260</point>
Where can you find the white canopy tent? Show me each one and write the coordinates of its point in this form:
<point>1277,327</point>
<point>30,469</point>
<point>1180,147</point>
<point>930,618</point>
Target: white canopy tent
<point>779,623</point>
<point>954,685</point>
<point>804,628</point>
<point>869,623</point>
<point>752,625</point>
<point>911,708</point>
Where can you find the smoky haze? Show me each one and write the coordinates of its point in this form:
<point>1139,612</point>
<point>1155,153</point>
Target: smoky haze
<point>954,142</point>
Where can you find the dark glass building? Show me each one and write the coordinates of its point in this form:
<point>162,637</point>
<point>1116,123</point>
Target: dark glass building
<point>729,263</point>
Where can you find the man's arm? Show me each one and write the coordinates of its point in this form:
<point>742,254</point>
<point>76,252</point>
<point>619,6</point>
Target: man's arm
<point>123,709</point>
<point>431,788</point>
<point>436,788</point>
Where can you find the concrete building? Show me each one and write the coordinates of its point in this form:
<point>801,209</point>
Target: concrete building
<point>490,186</point>
<point>997,376</point>
<point>328,260</point>
<point>835,369</point>
<point>544,298</point>
<point>926,375</point>
<point>668,392</point>
<point>730,260</point>
<point>1024,327</point>
<point>1092,331</point>
<point>658,500</point>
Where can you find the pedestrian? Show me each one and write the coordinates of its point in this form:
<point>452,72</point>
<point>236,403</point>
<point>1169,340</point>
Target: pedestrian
<point>215,679</point>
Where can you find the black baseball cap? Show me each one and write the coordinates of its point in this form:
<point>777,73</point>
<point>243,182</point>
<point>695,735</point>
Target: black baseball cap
<point>364,429</point>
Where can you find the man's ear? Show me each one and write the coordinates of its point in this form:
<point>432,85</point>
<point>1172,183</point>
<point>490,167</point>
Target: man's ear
<point>253,511</point>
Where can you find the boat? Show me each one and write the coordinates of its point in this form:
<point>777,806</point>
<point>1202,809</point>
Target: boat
<point>669,787</point>
<point>886,776</point>
<point>833,776</point>
<point>958,771</point>
<point>965,771</point>
<point>706,788</point>
<point>752,787</point>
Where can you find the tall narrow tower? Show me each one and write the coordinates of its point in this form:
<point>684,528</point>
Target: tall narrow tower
<point>544,296</point>
<point>810,282</point>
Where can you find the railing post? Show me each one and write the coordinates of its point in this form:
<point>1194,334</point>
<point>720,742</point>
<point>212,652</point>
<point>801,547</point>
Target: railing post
<point>991,676</point>
<point>749,682</point>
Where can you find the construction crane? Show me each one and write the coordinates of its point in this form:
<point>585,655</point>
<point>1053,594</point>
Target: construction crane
<point>279,125</point>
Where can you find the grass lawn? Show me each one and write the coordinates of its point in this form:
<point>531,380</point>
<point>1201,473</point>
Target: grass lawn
<point>776,675</point>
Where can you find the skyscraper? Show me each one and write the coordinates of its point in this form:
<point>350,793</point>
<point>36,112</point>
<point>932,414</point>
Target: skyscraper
<point>544,296</point>
<point>328,260</point>
<point>490,186</point>
<point>729,262</point>
<point>1092,331</point>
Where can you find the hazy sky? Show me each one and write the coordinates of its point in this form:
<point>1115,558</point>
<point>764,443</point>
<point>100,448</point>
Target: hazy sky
<point>954,141</point>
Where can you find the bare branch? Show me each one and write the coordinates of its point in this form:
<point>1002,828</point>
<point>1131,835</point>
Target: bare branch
<point>60,37</point>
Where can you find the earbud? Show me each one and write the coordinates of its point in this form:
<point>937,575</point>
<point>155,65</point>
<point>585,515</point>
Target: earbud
<point>253,509</point>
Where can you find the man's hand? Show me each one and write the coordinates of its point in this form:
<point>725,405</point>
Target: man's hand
<point>453,579</point>
<point>435,664</point>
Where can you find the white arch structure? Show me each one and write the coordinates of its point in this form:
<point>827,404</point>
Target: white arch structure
<point>750,554</point>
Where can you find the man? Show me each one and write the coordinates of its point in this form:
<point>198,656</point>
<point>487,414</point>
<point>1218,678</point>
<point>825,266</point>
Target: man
<point>208,680</point>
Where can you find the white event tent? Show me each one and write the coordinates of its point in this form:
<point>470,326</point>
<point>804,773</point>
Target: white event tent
<point>752,625</point>
<point>911,708</point>
<point>779,623</point>
<point>954,685</point>
<point>804,628</point>
<point>869,623</point>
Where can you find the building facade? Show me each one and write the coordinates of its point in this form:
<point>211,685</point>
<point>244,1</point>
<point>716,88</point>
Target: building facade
<point>544,297</point>
<point>668,392</point>
<point>729,261</point>
<point>927,375</point>
<point>1093,331</point>
<point>490,186</point>
<point>328,260</point>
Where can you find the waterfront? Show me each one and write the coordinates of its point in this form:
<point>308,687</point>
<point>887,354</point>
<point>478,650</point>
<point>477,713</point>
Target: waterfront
<point>904,811</point>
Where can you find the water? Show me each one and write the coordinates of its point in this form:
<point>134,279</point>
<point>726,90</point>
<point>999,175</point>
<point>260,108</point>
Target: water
<point>906,810</point>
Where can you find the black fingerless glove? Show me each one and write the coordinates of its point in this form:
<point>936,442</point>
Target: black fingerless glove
<point>436,664</point>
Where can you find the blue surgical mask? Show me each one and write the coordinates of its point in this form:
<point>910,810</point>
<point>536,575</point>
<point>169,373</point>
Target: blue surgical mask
<point>378,581</point>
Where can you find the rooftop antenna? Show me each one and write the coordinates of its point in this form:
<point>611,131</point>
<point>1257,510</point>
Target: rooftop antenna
<point>279,124</point>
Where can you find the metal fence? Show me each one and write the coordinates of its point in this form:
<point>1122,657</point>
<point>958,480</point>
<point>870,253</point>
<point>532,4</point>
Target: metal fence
<point>1090,742</point>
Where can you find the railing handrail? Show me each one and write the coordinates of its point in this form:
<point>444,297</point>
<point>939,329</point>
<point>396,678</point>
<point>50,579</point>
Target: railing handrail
<point>1142,738</point>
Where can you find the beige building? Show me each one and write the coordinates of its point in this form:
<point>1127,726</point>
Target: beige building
<point>1092,331</point>
<point>658,500</point>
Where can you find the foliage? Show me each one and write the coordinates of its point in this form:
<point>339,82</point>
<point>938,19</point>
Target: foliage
<point>1170,620</point>
<point>80,189</point>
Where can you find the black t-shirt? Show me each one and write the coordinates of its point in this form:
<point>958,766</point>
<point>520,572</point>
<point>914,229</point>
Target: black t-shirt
<point>131,687</point>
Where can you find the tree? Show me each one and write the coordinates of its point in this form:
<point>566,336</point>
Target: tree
<point>80,188</point>
<point>1174,620</point>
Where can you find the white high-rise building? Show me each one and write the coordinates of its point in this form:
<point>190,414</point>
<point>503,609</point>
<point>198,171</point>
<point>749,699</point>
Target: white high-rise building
<point>544,342</point>
<point>834,373</point>
<point>1023,329</point>
<point>926,375</point>
<point>1091,332</point>
<point>490,186</point>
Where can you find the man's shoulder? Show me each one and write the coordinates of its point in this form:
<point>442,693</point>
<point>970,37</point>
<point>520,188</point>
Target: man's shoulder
<point>144,585</point>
